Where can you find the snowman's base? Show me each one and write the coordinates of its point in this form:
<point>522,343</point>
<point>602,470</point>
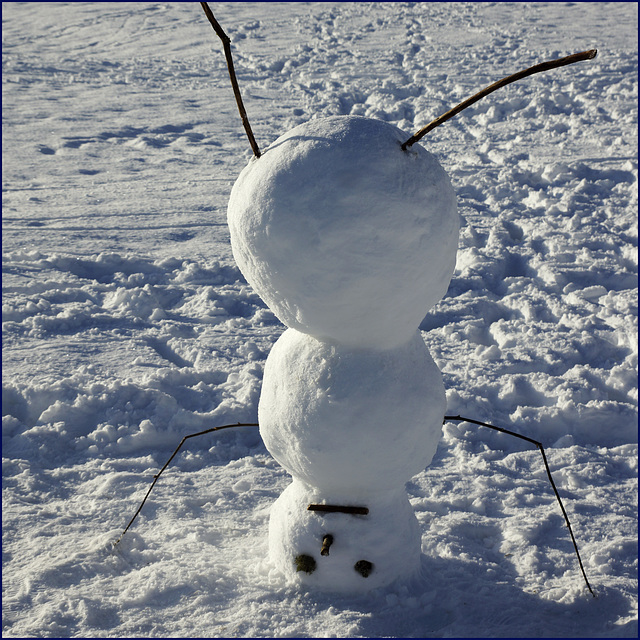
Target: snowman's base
<point>361,552</point>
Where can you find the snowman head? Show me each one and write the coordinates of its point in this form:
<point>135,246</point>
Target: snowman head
<point>344,235</point>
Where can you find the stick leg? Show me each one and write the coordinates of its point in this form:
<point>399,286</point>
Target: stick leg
<point>543,66</point>
<point>226,45</point>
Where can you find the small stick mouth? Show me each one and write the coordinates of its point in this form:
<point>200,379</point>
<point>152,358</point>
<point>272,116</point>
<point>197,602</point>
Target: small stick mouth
<point>335,508</point>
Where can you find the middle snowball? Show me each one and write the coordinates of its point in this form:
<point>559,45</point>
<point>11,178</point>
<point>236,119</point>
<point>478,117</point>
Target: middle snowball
<point>350,421</point>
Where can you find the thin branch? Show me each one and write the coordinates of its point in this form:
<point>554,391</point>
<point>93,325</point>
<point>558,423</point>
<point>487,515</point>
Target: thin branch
<point>156,477</point>
<point>226,43</point>
<point>553,484</point>
<point>538,68</point>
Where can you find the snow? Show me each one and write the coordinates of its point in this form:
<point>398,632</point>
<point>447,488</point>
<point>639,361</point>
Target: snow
<point>345,236</point>
<point>127,324</point>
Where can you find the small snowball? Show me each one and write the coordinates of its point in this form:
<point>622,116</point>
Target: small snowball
<point>241,486</point>
<point>388,539</point>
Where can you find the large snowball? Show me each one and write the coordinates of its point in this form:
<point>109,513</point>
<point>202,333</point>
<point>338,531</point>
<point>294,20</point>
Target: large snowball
<point>351,421</point>
<point>345,236</point>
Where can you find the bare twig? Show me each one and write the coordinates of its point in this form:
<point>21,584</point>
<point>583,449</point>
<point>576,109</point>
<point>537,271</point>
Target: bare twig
<point>156,477</point>
<point>546,465</point>
<point>538,68</point>
<point>226,43</point>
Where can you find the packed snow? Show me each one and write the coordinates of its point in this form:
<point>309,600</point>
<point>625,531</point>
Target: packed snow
<point>127,323</point>
<point>332,398</point>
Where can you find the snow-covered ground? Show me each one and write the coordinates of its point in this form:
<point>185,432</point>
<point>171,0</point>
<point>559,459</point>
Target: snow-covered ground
<point>127,325</point>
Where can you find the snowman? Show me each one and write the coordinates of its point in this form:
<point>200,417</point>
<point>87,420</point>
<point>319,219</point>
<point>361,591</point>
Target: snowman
<point>349,240</point>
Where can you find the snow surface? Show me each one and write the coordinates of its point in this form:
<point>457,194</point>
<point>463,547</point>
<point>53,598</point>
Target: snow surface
<point>127,324</point>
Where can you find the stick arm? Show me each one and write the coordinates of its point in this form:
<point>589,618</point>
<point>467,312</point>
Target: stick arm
<point>173,455</point>
<point>546,465</point>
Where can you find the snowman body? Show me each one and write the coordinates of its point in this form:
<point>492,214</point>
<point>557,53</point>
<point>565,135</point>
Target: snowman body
<point>349,240</point>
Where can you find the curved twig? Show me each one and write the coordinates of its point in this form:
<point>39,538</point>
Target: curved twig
<point>546,465</point>
<point>226,43</point>
<point>538,68</point>
<point>166,464</point>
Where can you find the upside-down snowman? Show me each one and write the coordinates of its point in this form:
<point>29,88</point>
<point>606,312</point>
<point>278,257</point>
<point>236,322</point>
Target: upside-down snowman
<point>349,240</point>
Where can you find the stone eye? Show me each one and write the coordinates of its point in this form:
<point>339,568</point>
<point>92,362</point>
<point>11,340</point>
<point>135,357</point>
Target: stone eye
<point>363,567</point>
<point>305,563</point>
